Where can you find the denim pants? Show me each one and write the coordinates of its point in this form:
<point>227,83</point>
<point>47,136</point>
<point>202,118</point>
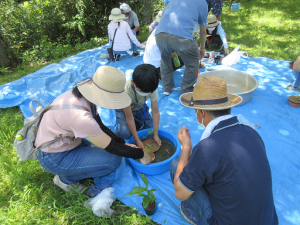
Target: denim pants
<point>79,163</point>
<point>133,46</point>
<point>188,51</point>
<point>198,201</point>
<point>122,129</point>
<point>297,78</point>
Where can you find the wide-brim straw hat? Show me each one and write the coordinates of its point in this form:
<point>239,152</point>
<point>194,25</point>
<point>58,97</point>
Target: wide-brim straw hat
<point>106,88</point>
<point>158,16</point>
<point>212,21</point>
<point>116,15</point>
<point>210,93</point>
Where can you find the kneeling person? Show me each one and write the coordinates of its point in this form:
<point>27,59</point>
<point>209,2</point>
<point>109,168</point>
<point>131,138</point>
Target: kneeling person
<point>144,83</point>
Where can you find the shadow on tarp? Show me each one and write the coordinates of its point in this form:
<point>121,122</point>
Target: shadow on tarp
<point>268,107</point>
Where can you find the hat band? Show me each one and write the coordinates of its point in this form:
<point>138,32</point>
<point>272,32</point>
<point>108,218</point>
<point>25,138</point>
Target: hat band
<point>205,102</point>
<point>212,23</point>
<point>90,80</point>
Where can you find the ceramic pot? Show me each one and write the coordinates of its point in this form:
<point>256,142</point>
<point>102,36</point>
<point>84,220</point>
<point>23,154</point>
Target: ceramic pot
<point>152,157</point>
<point>150,209</point>
<point>294,100</point>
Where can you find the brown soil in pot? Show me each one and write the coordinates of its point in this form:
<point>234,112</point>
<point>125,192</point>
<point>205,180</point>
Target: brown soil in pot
<point>151,206</point>
<point>151,145</point>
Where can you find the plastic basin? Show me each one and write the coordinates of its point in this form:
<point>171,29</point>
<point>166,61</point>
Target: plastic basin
<point>238,83</point>
<point>235,6</point>
<point>160,167</point>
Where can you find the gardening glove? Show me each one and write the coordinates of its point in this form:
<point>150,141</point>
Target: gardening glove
<point>146,159</point>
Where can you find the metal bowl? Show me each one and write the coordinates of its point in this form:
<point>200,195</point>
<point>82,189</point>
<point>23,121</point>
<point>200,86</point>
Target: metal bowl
<point>238,83</point>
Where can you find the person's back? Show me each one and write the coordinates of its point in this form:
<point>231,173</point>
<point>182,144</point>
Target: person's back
<point>238,177</point>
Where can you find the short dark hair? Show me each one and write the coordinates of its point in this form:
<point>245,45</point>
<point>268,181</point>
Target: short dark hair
<point>218,113</point>
<point>76,92</point>
<point>146,77</point>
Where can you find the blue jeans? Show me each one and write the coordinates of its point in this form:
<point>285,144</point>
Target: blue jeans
<point>122,129</point>
<point>133,46</point>
<point>297,76</point>
<point>198,201</point>
<point>79,163</point>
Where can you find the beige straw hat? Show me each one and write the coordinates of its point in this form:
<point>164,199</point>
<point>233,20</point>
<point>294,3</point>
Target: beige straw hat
<point>158,16</point>
<point>116,15</point>
<point>210,93</point>
<point>212,21</point>
<point>106,88</point>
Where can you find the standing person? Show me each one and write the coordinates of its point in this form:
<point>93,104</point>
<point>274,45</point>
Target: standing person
<point>133,22</point>
<point>136,117</point>
<point>154,24</point>
<point>295,66</point>
<point>72,158</point>
<point>174,33</point>
<point>216,6</point>
<point>217,35</point>
<point>227,177</point>
<point>123,36</point>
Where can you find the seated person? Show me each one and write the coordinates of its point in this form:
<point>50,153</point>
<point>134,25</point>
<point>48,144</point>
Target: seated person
<point>295,66</point>
<point>119,31</point>
<point>133,22</point>
<point>216,35</point>
<point>136,117</point>
<point>226,178</point>
<point>153,25</point>
<point>152,54</point>
<point>73,158</point>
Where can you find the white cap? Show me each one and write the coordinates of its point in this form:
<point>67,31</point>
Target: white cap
<point>125,8</point>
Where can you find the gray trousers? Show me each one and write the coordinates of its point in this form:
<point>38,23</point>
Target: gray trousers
<point>188,51</point>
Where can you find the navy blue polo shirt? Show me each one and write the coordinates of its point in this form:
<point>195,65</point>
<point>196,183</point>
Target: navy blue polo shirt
<point>232,166</point>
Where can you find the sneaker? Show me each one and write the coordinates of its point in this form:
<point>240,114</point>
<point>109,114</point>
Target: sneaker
<point>95,190</point>
<point>188,214</point>
<point>135,54</point>
<point>167,93</point>
<point>291,87</point>
<point>118,56</point>
<point>68,187</point>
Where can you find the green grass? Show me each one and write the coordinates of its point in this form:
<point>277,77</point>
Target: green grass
<point>263,28</point>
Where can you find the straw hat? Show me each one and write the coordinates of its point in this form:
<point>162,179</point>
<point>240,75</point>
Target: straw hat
<point>116,15</point>
<point>106,88</point>
<point>212,21</point>
<point>158,16</point>
<point>210,93</point>
<point>125,8</point>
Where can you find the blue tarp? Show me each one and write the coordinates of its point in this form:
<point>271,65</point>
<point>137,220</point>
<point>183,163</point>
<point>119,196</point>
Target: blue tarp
<point>268,107</point>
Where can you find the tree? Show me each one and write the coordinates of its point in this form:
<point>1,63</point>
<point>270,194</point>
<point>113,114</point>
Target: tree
<point>146,13</point>
<point>7,57</point>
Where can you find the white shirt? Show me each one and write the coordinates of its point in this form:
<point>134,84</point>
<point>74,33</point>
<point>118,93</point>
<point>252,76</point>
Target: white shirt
<point>152,54</point>
<point>222,34</point>
<point>122,41</point>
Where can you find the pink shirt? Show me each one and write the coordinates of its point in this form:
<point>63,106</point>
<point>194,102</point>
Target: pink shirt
<point>74,122</point>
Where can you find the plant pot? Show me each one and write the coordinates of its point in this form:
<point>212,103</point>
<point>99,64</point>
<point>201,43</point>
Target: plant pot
<point>150,209</point>
<point>294,100</point>
<point>152,157</point>
<point>151,144</point>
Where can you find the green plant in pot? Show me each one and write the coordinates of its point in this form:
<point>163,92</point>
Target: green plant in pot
<point>148,197</point>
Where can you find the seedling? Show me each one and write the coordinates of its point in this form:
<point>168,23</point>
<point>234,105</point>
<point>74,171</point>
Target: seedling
<point>149,197</point>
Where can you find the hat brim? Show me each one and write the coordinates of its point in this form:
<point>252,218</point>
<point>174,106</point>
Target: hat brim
<point>103,98</point>
<point>233,100</point>
<point>216,23</point>
<point>116,19</point>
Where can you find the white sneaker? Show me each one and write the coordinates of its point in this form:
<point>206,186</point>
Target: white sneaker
<point>68,187</point>
<point>167,93</point>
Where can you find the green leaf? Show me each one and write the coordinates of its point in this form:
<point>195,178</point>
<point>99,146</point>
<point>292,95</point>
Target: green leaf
<point>137,190</point>
<point>145,180</point>
<point>146,201</point>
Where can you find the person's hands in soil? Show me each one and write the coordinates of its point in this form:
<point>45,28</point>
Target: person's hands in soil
<point>184,138</point>
<point>140,144</point>
<point>157,139</point>
<point>146,159</point>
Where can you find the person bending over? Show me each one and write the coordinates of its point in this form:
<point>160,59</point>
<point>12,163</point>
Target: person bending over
<point>226,177</point>
<point>136,116</point>
<point>73,158</point>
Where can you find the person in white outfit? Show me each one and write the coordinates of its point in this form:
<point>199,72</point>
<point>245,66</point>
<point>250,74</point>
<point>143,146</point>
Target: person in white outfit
<point>122,32</point>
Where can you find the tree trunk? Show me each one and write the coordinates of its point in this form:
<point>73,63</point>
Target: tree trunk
<point>146,12</point>
<point>7,57</point>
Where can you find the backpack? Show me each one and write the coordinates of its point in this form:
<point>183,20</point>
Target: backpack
<point>25,138</point>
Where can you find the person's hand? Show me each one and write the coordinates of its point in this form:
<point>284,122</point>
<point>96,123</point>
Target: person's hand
<point>157,139</point>
<point>146,159</point>
<point>226,51</point>
<point>202,53</point>
<point>291,65</point>
<point>131,145</point>
<point>184,138</point>
<point>140,144</point>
